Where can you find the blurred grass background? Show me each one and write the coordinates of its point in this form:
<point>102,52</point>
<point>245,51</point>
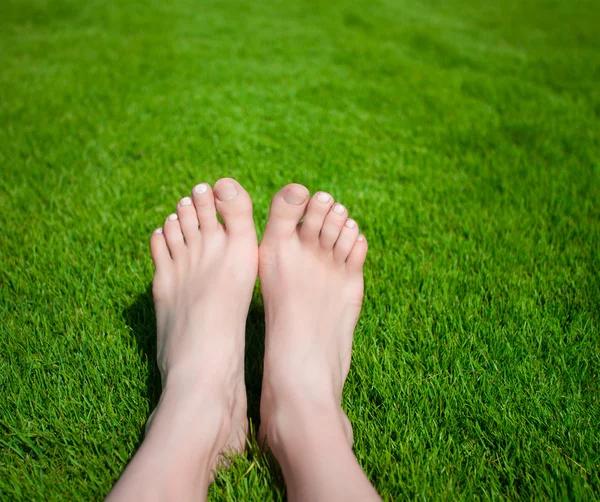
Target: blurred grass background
<point>462,135</point>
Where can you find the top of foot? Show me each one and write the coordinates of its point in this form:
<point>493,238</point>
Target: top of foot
<point>310,267</point>
<point>203,284</point>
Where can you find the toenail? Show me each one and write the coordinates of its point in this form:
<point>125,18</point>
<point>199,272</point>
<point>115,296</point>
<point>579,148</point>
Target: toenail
<point>186,201</point>
<point>294,198</point>
<point>172,217</point>
<point>339,209</point>
<point>201,188</point>
<point>158,231</point>
<point>226,191</point>
<point>361,238</point>
<point>323,197</point>
<point>351,224</point>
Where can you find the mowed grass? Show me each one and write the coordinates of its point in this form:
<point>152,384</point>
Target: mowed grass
<point>463,136</point>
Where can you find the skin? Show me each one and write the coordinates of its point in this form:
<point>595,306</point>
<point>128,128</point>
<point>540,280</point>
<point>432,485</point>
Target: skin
<point>312,282</point>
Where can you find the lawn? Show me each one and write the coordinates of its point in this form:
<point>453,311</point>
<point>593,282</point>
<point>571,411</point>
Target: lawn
<point>463,136</point>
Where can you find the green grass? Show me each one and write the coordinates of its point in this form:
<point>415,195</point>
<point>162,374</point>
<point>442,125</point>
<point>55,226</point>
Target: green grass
<point>464,137</point>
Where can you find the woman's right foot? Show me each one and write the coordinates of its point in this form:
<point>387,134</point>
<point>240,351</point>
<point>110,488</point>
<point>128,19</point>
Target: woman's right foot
<point>312,284</point>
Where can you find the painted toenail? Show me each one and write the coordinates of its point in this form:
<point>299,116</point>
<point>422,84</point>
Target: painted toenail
<point>351,224</point>
<point>172,217</point>
<point>339,209</point>
<point>201,188</point>
<point>323,197</point>
<point>294,198</point>
<point>226,191</point>
<point>158,231</point>
<point>361,238</point>
<point>186,201</point>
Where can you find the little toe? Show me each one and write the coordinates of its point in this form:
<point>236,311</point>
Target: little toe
<point>235,206</point>
<point>204,201</point>
<point>174,237</point>
<point>345,241</point>
<point>159,250</point>
<point>317,210</point>
<point>287,208</point>
<point>332,226</point>
<point>357,256</point>
<point>188,219</point>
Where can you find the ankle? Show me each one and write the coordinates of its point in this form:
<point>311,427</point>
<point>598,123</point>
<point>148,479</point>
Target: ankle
<point>303,421</point>
<point>190,422</point>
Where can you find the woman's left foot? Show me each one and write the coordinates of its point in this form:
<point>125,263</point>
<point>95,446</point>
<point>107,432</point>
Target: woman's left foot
<point>203,284</point>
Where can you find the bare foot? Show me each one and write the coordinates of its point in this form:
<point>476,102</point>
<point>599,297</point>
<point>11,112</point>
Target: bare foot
<point>204,279</point>
<point>205,275</point>
<point>312,283</point>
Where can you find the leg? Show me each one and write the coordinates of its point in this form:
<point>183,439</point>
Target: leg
<point>203,284</point>
<point>312,282</point>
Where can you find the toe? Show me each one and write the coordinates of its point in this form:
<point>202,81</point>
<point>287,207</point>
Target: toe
<point>159,250</point>
<point>188,219</point>
<point>332,226</point>
<point>317,210</point>
<point>204,201</point>
<point>287,209</point>
<point>357,256</point>
<point>345,241</point>
<point>174,237</point>
<point>234,205</point>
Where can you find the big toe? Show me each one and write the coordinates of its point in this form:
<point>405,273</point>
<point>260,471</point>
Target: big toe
<point>234,205</point>
<point>287,209</point>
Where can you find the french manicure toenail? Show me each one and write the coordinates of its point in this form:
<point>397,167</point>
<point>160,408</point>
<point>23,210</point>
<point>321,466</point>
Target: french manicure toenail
<point>361,238</point>
<point>339,209</point>
<point>323,197</point>
<point>226,191</point>
<point>158,231</point>
<point>201,188</point>
<point>293,197</point>
<point>172,217</point>
<point>351,224</point>
<point>186,201</point>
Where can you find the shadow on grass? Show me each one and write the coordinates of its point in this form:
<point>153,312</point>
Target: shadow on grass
<point>140,317</point>
<point>253,367</point>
